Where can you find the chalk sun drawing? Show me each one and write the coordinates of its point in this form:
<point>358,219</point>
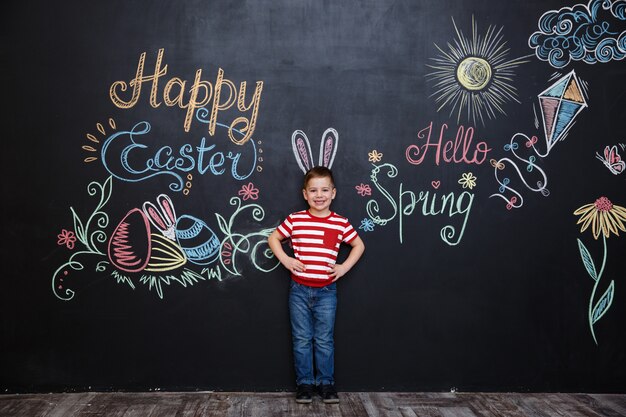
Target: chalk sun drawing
<point>474,76</point>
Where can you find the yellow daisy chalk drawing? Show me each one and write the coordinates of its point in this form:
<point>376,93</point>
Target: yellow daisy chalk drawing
<point>605,218</point>
<point>375,156</point>
<point>468,180</point>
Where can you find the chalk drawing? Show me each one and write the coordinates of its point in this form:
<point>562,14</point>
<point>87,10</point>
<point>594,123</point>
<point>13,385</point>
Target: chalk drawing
<point>588,33</point>
<point>605,218</point>
<point>474,76</point>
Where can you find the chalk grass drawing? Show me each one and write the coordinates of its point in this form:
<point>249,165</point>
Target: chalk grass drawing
<point>474,76</point>
<point>605,218</point>
<point>612,159</point>
<point>560,105</point>
<point>588,33</point>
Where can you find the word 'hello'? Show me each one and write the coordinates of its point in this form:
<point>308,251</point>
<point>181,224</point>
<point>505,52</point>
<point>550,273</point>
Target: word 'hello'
<point>204,89</point>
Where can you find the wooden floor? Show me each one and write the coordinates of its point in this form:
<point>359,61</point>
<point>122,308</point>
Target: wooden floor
<point>353,404</point>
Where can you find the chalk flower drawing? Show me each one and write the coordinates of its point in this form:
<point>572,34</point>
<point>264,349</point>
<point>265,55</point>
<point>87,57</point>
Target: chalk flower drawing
<point>367,225</point>
<point>605,218</point>
<point>249,192</point>
<point>363,189</point>
<point>468,180</point>
<point>67,238</point>
<point>375,156</point>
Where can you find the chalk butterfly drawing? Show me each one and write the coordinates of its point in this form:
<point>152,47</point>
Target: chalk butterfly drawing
<point>302,149</point>
<point>612,160</point>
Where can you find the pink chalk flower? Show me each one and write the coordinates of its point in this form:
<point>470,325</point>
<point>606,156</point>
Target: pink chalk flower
<point>363,189</point>
<point>67,238</point>
<point>249,192</point>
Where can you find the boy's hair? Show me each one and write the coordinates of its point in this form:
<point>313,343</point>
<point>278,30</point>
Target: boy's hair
<point>318,172</point>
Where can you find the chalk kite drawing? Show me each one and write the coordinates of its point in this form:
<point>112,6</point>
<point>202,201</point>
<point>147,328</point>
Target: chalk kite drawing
<point>612,159</point>
<point>589,33</point>
<point>605,218</point>
<point>560,105</point>
<point>474,76</point>
<point>302,149</point>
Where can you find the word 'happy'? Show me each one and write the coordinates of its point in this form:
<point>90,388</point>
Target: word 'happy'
<point>200,94</point>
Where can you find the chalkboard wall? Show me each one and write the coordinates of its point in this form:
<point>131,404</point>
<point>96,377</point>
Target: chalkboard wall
<point>150,147</point>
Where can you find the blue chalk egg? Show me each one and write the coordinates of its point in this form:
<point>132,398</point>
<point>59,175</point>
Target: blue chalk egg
<point>197,240</point>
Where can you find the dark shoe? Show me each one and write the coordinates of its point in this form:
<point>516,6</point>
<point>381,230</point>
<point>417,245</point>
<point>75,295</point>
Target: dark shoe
<point>328,394</point>
<point>304,394</point>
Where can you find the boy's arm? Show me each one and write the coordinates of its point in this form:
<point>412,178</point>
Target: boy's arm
<point>339,270</point>
<point>292,264</point>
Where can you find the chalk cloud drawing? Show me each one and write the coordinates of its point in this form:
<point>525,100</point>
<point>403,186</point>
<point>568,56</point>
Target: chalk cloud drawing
<point>605,218</point>
<point>589,33</point>
<point>474,75</point>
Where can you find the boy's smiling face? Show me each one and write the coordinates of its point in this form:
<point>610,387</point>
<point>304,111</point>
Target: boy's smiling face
<point>319,193</point>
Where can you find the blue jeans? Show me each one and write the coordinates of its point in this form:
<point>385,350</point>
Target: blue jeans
<point>312,312</point>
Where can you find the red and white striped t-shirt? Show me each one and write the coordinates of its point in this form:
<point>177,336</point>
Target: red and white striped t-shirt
<point>316,242</point>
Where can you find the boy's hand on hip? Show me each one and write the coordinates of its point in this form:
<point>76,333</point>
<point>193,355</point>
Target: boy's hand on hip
<point>337,271</point>
<point>294,265</point>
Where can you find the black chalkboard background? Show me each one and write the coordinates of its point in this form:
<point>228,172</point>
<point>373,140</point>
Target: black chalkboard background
<point>505,309</point>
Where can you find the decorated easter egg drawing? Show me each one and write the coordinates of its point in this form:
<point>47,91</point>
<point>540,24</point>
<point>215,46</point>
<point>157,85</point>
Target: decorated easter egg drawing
<point>130,243</point>
<point>197,240</point>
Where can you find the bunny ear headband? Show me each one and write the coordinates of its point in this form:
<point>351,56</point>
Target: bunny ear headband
<point>302,149</point>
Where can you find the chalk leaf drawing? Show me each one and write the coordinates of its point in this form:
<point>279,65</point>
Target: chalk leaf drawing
<point>588,33</point>
<point>474,75</point>
<point>605,218</point>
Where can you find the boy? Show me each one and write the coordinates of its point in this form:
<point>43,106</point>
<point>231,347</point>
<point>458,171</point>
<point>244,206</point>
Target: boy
<point>316,235</point>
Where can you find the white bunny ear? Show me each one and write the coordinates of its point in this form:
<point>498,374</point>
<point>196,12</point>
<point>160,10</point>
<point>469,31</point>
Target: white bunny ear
<point>328,147</point>
<point>164,217</point>
<point>302,150</point>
